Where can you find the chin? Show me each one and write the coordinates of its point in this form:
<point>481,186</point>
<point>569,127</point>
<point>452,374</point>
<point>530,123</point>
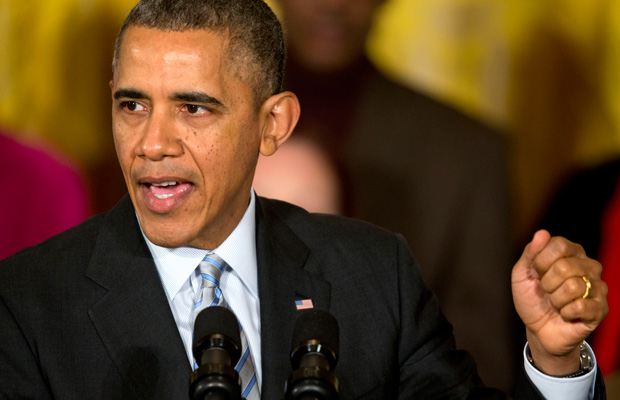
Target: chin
<point>165,241</point>
<point>164,236</point>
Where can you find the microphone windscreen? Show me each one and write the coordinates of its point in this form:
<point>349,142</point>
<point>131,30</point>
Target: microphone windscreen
<point>217,320</point>
<point>316,325</point>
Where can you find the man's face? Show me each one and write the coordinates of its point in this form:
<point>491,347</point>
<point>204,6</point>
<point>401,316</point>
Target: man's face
<point>327,35</point>
<point>187,135</point>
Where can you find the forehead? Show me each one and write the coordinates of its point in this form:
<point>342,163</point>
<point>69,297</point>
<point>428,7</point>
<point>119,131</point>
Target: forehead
<point>189,57</point>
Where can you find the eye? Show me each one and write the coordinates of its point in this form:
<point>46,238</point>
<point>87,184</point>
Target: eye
<point>195,109</point>
<point>132,106</point>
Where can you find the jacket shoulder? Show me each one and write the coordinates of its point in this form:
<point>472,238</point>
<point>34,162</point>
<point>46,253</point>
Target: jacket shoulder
<point>66,248</point>
<point>315,228</point>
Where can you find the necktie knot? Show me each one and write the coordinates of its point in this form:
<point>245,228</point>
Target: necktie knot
<point>210,294</point>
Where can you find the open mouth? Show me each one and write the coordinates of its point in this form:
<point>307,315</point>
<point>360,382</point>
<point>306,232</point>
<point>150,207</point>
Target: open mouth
<point>167,189</point>
<point>163,190</point>
<point>163,195</point>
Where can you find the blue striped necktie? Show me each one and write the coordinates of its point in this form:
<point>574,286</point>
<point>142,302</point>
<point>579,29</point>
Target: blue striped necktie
<point>211,269</point>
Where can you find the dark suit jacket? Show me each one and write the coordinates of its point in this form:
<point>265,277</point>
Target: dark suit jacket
<point>84,315</point>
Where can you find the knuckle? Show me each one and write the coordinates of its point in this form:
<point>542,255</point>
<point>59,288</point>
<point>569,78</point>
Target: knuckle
<point>603,288</point>
<point>564,246</point>
<point>598,268</point>
<point>603,312</point>
<point>562,267</point>
<point>578,249</point>
<point>560,244</point>
<point>573,286</point>
<point>579,306</point>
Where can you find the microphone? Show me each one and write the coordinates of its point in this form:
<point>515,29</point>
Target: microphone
<point>216,348</point>
<point>314,354</point>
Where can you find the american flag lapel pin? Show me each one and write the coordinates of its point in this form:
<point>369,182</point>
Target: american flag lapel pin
<point>304,304</point>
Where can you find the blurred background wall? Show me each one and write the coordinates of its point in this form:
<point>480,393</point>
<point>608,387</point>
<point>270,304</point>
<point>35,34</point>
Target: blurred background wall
<point>542,71</point>
<point>54,73</point>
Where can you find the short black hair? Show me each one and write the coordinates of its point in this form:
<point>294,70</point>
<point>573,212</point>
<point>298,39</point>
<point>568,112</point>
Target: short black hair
<point>255,39</point>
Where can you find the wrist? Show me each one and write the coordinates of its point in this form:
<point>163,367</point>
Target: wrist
<point>562,366</point>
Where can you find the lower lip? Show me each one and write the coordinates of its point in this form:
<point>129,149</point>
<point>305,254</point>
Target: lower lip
<point>162,206</point>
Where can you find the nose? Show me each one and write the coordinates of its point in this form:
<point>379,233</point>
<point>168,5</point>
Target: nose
<point>159,139</point>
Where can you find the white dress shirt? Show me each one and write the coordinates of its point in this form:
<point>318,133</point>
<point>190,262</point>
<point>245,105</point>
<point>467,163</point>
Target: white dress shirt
<point>179,275</point>
<point>178,272</point>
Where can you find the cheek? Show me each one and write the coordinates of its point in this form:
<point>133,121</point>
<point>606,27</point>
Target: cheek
<point>123,145</point>
<point>250,146</point>
<point>235,156</point>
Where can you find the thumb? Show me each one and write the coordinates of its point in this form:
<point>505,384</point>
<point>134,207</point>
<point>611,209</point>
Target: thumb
<point>538,243</point>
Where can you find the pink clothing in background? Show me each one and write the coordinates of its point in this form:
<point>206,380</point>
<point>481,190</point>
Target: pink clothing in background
<point>41,196</point>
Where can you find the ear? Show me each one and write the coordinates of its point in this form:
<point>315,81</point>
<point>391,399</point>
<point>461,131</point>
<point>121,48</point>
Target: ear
<point>279,115</point>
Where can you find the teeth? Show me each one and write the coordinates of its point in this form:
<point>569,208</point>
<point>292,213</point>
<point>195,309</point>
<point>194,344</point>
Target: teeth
<point>163,196</point>
<point>164,184</point>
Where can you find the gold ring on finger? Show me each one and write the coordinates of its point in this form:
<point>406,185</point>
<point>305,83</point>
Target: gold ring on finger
<point>588,286</point>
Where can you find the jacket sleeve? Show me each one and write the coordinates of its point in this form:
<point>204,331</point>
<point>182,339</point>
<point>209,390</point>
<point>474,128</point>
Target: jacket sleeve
<point>430,364</point>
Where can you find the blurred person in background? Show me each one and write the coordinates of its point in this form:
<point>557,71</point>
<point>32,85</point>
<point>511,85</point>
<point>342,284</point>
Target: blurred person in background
<point>412,165</point>
<point>302,174</point>
<point>44,194</point>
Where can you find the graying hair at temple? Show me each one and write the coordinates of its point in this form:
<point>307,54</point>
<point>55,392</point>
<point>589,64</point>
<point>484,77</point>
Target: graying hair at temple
<point>256,42</point>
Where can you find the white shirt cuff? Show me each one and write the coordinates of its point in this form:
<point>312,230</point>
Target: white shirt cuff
<point>552,388</point>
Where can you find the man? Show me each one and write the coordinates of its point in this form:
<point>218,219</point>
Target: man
<point>104,310</point>
<point>411,165</point>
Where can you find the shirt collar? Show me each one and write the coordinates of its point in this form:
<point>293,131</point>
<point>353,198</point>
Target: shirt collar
<point>175,265</point>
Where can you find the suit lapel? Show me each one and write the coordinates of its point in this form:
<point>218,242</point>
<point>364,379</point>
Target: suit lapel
<point>287,271</point>
<point>133,319</point>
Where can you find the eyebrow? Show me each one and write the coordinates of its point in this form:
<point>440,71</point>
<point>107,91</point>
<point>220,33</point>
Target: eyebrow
<point>129,94</point>
<point>198,97</point>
